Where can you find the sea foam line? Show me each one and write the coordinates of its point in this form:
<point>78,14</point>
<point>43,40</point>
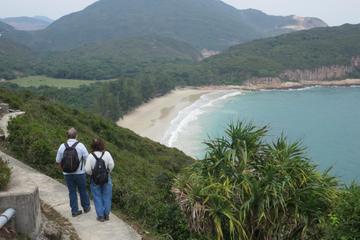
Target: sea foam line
<point>192,113</point>
<point>290,89</point>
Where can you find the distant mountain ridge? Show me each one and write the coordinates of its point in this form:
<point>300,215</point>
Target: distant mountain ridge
<point>28,23</point>
<point>44,18</point>
<point>205,24</point>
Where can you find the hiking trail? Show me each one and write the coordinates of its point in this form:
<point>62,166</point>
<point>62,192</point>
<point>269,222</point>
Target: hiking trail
<point>56,194</point>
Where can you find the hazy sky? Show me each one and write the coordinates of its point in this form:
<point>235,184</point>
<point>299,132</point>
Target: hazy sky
<point>334,12</point>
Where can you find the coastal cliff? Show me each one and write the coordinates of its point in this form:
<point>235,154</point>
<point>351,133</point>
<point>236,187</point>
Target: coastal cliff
<point>334,72</point>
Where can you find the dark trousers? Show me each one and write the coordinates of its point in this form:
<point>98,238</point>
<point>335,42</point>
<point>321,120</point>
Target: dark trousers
<point>77,182</point>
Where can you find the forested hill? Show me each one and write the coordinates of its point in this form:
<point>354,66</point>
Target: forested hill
<point>143,172</point>
<point>14,57</point>
<point>116,58</point>
<point>108,59</point>
<point>304,50</point>
<point>210,24</point>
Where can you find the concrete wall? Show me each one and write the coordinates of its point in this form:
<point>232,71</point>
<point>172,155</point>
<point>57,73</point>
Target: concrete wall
<point>23,196</point>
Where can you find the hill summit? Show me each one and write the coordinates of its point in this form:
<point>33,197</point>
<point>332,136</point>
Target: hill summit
<point>205,24</point>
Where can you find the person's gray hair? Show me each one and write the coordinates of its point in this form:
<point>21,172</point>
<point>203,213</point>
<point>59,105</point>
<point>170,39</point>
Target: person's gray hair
<point>72,133</point>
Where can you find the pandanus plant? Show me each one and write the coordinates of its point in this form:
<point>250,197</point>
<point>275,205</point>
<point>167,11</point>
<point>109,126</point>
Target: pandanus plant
<point>248,188</point>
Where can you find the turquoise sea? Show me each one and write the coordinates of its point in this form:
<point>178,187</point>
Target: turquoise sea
<point>326,120</point>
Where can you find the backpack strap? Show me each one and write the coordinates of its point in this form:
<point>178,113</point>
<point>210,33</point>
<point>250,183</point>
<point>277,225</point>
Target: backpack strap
<point>94,155</point>
<point>96,158</point>
<point>72,146</point>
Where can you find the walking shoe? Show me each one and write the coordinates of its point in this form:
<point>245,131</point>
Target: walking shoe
<point>77,213</point>
<point>100,219</point>
<point>87,210</point>
<point>107,218</point>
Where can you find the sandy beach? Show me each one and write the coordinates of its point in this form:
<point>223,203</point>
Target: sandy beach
<point>152,119</point>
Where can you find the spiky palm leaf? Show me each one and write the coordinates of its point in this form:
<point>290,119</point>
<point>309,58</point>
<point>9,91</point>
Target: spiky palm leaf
<point>248,189</point>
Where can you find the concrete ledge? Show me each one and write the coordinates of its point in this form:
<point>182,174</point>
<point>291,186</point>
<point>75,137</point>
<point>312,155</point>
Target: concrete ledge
<point>23,195</point>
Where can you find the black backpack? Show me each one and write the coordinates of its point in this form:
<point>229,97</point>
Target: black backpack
<point>100,173</point>
<point>70,161</point>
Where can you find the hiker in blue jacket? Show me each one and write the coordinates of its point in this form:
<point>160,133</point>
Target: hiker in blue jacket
<point>99,164</point>
<point>71,157</point>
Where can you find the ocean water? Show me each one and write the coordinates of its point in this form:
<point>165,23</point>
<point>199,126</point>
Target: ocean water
<point>326,120</point>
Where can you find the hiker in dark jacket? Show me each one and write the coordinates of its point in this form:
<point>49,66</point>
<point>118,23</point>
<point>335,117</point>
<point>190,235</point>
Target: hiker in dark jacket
<point>99,164</point>
<point>72,156</point>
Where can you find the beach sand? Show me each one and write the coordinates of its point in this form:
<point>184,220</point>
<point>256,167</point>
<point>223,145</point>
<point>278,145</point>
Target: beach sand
<point>152,119</point>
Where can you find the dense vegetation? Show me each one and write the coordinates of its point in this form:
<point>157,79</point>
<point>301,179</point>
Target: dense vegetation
<point>116,58</point>
<point>106,60</point>
<point>208,24</point>
<point>111,99</point>
<point>14,59</point>
<point>270,57</point>
<point>260,58</point>
<point>246,188</point>
<point>5,173</point>
<point>144,169</point>
<point>344,221</point>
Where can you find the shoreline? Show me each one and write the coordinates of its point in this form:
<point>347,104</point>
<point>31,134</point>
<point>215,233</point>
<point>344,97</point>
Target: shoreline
<point>302,84</point>
<point>153,119</point>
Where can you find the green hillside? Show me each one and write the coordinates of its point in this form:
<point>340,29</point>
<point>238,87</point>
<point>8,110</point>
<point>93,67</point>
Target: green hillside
<point>208,24</point>
<point>116,58</point>
<point>270,57</point>
<point>15,59</point>
<point>10,33</point>
<point>144,169</point>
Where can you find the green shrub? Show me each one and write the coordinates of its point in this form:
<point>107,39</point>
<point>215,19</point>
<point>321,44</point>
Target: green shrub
<point>5,173</point>
<point>344,221</point>
<point>246,188</point>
